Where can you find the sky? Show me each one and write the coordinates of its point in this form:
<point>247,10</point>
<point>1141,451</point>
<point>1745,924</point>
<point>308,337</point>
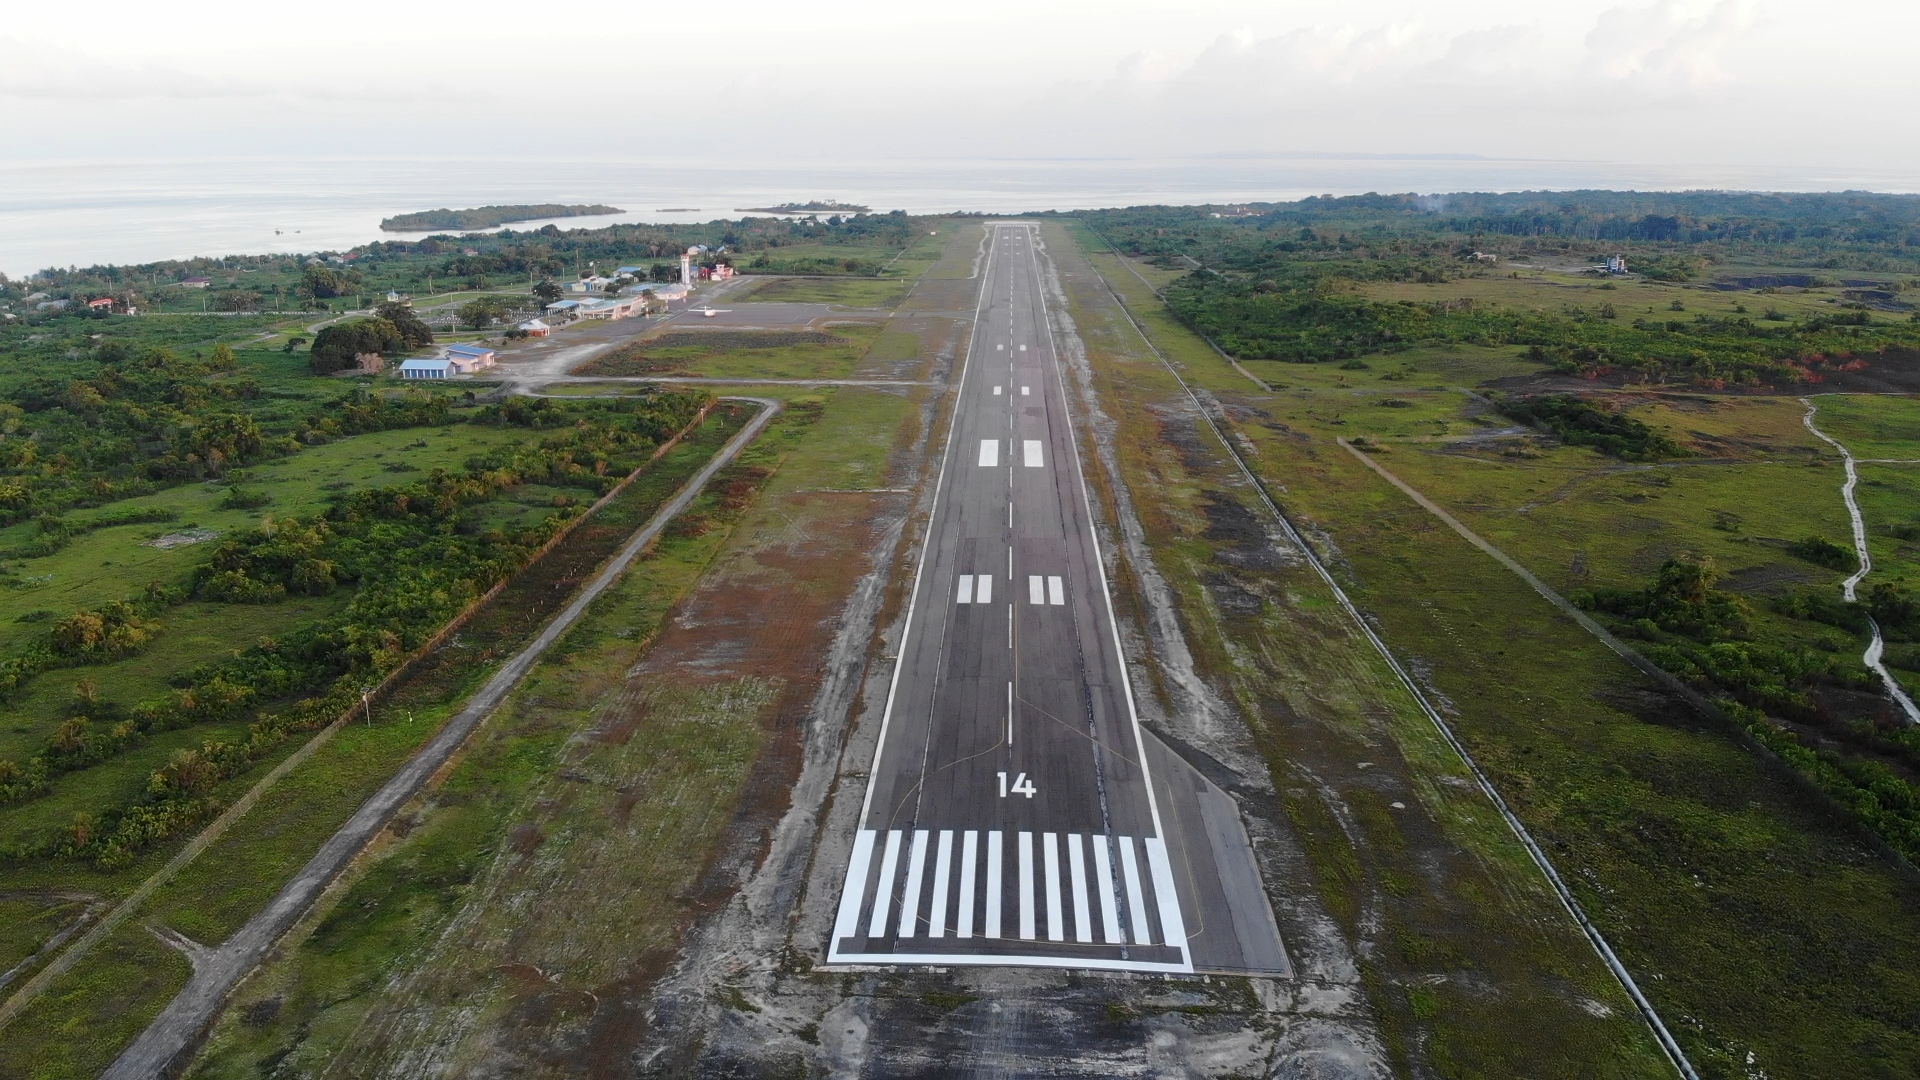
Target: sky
<point>1740,82</point>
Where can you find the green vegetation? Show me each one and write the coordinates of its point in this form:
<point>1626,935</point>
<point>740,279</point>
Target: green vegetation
<point>819,206</point>
<point>1290,282</point>
<point>1583,422</point>
<point>77,1028</point>
<point>487,217</point>
<point>1728,888</point>
<point>507,265</point>
<point>778,354</point>
<point>415,555</point>
<point>672,756</point>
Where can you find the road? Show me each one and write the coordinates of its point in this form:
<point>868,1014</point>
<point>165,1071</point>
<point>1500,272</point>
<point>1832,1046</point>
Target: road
<point>1017,813</point>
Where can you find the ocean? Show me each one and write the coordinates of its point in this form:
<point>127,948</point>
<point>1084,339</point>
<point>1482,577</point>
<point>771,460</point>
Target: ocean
<point>87,213</point>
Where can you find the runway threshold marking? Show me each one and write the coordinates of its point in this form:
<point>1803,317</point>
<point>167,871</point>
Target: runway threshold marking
<point>1055,922</point>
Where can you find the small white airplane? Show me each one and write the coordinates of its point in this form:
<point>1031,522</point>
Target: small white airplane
<point>710,311</point>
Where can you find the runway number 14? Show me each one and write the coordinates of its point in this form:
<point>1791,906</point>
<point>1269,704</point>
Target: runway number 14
<point>1021,786</point>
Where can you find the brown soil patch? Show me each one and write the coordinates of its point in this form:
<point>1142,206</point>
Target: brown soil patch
<point>768,612</point>
<point>1896,371</point>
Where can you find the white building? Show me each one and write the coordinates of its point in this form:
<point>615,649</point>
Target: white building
<point>436,368</point>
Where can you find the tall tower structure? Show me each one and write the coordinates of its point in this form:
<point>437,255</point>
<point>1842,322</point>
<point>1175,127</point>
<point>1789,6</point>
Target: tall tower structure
<point>686,267</point>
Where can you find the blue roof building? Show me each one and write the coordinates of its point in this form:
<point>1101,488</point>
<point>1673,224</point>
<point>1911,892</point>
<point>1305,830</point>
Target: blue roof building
<point>439,368</point>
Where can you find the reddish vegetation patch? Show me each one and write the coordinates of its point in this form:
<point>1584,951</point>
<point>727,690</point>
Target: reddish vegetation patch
<point>771,614</point>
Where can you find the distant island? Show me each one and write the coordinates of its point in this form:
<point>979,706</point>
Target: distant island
<point>817,206</point>
<point>486,217</point>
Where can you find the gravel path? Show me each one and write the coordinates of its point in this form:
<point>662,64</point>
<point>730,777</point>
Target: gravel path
<point>1878,645</point>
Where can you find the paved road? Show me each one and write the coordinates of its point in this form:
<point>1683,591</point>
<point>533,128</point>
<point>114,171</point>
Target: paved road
<point>1013,814</point>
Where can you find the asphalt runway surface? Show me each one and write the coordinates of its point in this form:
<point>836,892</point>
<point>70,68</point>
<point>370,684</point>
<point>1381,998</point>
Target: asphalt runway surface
<point>1016,812</point>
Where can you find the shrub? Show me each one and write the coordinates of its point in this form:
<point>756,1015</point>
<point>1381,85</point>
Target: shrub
<point>1822,552</point>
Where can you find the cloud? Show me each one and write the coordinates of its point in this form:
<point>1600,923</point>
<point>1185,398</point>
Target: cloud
<point>47,72</point>
<point>1663,48</point>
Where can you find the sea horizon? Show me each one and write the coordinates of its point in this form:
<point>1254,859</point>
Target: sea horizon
<point>140,210</point>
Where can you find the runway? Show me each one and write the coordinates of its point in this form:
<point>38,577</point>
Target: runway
<point>1014,812</point>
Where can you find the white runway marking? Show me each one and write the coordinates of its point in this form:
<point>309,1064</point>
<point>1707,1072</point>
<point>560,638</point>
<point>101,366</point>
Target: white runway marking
<point>1032,452</point>
<point>966,589</point>
<point>1023,348</point>
<point>1056,591</point>
<point>989,452</point>
<point>1172,930</point>
<point>1026,886</point>
<point>910,900</point>
<point>1056,930</point>
<point>1036,589</point>
<point>969,850</point>
<point>1026,391</point>
<point>1136,899</point>
<point>1103,883</point>
<point>1077,867</point>
<point>993,883</point>
<point>999,348</point>
<point>848,922</point>
<point>983,589</point>
<point>996,391</point>
<point>883,901</point>
<point>937,915</point>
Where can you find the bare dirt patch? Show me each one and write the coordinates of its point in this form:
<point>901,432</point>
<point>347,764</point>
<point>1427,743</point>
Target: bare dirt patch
<point>183,538</point>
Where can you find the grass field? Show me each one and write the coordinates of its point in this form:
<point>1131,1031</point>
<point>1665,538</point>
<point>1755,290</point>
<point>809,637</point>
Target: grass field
<point>848,292</point>
<point>831,352</point>
<point>1466,958</point>
<point>1754,919</point>
<point>87,1015</point>
<point>430,944</point>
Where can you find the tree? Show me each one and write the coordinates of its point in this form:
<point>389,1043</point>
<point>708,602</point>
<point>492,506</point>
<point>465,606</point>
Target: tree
<point>548,291</point>
<point>325,283</point>
<point>413,331</point>
<point>338,347</point>
<point>293,343</point>
<point>482,313</point>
